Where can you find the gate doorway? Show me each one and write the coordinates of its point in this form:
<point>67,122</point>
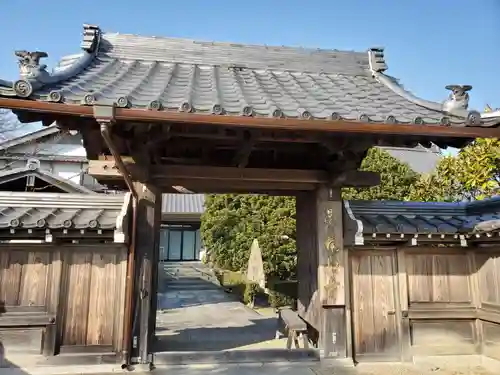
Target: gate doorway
<point>198,317</point>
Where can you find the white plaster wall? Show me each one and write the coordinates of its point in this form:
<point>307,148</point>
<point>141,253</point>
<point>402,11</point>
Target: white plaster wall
<point>67,145</point>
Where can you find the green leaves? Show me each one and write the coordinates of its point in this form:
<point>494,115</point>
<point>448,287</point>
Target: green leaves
<point>473,174</point>
<point>396,178</point>
<point>231,222</point>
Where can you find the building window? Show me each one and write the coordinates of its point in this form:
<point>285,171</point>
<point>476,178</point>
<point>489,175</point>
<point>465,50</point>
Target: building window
<point>178,243</point>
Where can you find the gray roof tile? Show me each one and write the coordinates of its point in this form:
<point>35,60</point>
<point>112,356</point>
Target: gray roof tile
<point>233,79</point>
<point>424,218</point>
<point>420,159</point>
<point>183,204</point>
<point>61,211</point>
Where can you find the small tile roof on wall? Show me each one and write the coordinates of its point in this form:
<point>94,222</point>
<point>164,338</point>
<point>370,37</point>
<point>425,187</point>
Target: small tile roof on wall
<point>183,203</point>
<point>64,212</point>
<point>382,221</point>
<point>233,79</point>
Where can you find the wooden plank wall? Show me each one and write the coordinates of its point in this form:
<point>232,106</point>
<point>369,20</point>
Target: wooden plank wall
<point>442,294</point>
<point>425,301</point>
<point>25,278</point>
<point>374,306</point>
<point>61,298</point>
<point>488,265</point>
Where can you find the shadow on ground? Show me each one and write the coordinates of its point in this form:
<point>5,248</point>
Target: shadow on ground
<point>215,338</point>
<point>196,314</point>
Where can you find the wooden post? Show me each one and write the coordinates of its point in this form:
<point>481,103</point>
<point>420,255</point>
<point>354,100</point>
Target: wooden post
<point>330,247</point>
<point>147,240</point>
<point>321,267</point>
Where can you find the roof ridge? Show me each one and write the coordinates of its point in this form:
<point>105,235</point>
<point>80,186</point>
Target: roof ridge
<point>234,44</point>
<point>449,116</point>
<point>29,137</point>
<point>189,51</point>
<point>66,197</point>
<point>413,149</point>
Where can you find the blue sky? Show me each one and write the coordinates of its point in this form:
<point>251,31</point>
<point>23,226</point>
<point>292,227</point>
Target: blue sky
<point>429,43</point>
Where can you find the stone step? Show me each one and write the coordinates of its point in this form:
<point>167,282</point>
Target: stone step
<point>204,286</point>
<point>236,356</point>
<point>187,274</point>
<point>183,265</point>
<point>186,281</point>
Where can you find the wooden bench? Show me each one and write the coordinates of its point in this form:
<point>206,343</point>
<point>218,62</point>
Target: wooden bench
<point>293,327</point>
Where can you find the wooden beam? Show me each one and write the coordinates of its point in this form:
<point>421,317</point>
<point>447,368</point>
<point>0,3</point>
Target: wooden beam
<point>106,169</point>
<point>225,174</point>
<point>245,149</point>
<point>214,179</point>
<point>236,187</point>
<point>230,179</point>
<point>356,179</point>
<point>231,138</point>
<point>339,126</point>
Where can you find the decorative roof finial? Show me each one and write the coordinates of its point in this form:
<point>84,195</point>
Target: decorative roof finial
<point>91,35</point>
<point>29,63</point>
<point>458,98</point>
<point>33,164</point>
<point>376,59</point>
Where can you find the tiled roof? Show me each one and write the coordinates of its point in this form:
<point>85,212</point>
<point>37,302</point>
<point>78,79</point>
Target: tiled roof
<point>63,212</point>
<point>183,204</point>
<point>420,159</point>
<point>397,221</point>
<point>30,137</point>
<point>233,79</point>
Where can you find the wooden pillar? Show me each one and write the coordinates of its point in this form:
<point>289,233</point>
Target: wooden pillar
<point>321,268</point>
<point>147,241</point>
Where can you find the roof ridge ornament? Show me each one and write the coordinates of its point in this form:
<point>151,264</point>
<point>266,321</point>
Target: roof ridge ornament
<point>34,75</point>
<point>33,164</point>
<point>376,60</point>
<point>91,36</point>
<point>29,63</point>
<point>458,98</point>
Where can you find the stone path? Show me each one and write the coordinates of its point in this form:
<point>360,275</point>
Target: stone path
<point>195,314</point>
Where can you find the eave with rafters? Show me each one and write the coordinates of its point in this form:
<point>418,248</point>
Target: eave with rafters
<point>227,106</point>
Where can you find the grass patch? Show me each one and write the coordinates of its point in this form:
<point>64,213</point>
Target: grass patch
<point>236,283</point>
<point>233,282</point>
<point>280,292</point>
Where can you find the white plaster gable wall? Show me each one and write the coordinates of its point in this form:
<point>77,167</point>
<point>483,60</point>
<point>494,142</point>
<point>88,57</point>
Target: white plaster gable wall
<point>57,146</point>
<point>68,170</point>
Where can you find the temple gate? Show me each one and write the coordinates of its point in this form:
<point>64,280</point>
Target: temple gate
<point>167,115</point>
